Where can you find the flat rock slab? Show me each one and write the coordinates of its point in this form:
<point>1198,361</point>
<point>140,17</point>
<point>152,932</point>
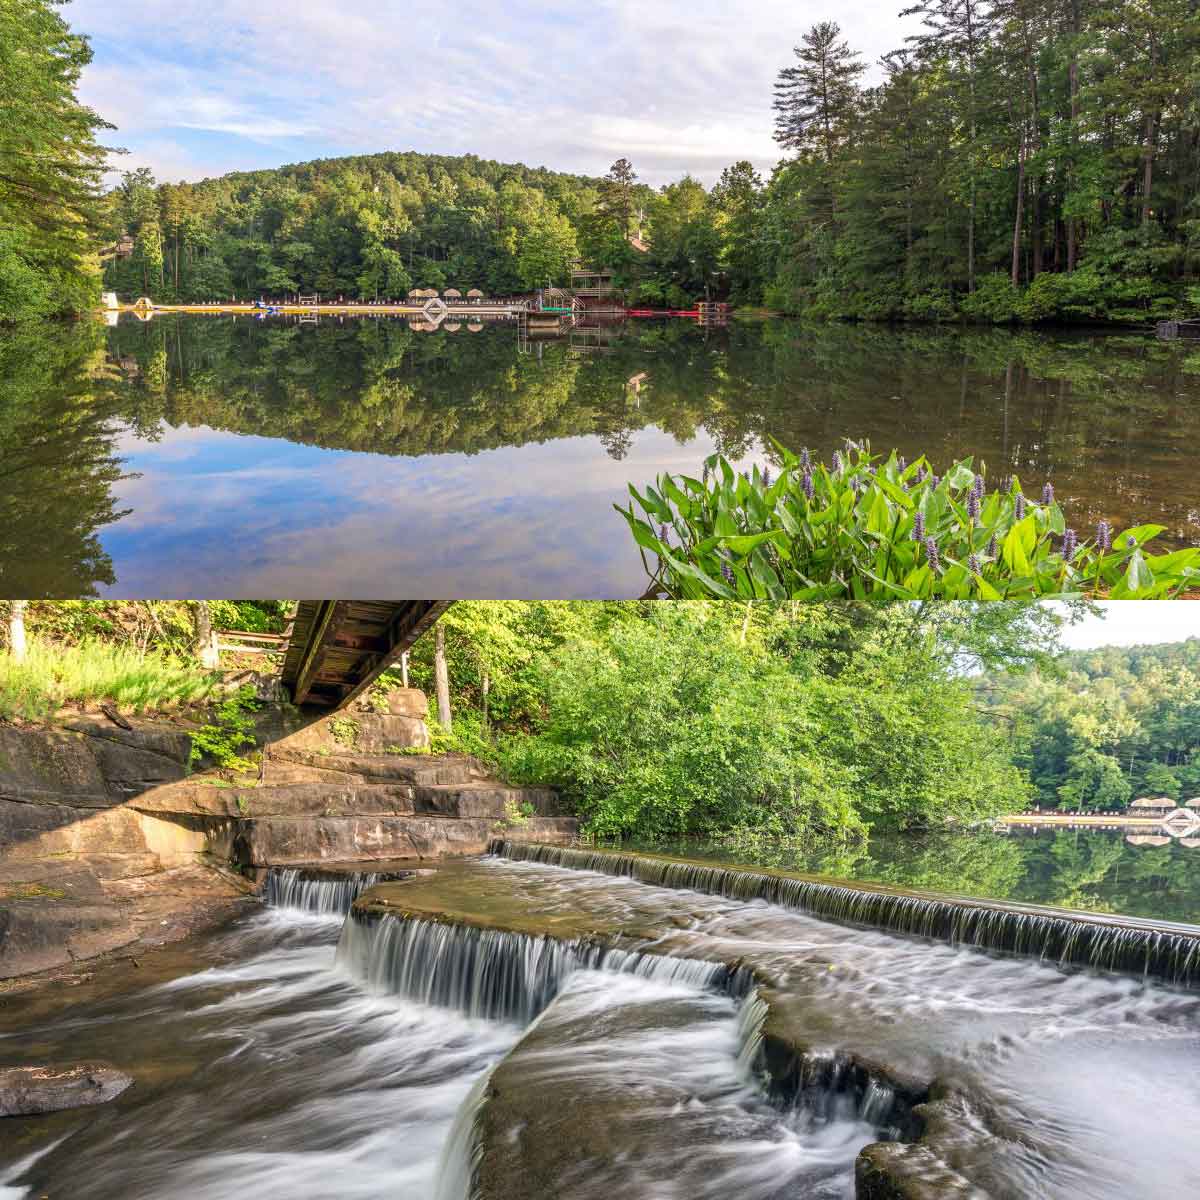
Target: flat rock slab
<point>27,1091</point>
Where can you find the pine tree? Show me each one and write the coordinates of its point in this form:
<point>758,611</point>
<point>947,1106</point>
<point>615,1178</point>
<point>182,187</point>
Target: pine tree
<point>50,163</point>
<point>815,101</point>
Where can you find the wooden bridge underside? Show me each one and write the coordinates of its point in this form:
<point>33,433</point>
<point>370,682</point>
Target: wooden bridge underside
<point>338,648</point>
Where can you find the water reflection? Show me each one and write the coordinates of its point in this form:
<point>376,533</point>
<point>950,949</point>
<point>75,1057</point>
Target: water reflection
<point>1101,870</point>
<point>220,455</point>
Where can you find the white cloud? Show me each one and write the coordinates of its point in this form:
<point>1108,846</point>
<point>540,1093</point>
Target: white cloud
<point>673,84</point>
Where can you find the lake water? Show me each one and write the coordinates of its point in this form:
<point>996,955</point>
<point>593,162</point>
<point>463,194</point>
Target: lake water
<point>1096,870</point>
<point>220,456</point>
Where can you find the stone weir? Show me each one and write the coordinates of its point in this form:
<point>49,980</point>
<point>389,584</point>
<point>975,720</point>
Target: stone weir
<point>1154,949</point>
<point>460,940</point>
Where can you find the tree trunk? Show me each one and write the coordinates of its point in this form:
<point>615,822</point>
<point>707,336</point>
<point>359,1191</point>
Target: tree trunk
<point>441,676</point>
<point>1016,246</point>
<point>1073,76</point>
<point>16,629</point>
<point>205,643</point>
<point>1148,167</point>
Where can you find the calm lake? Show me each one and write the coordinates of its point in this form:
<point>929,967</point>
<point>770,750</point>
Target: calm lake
<point>222,456</point>
<point>1098,870</point>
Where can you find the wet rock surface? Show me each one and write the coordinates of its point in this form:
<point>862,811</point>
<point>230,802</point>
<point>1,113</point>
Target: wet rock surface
<point>26,1091</point>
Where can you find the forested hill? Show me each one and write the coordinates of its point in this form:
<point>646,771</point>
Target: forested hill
<point>1110,725</point>
<point>373,225</point>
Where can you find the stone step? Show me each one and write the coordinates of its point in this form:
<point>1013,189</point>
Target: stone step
<point>426,769</point>
<point>313,799</point>
<point>488,799</point>
<point>306,841</point>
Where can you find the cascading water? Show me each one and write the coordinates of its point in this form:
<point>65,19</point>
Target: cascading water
<point>322,893</point>
<point>494,974</point>
<point>1158,951</point>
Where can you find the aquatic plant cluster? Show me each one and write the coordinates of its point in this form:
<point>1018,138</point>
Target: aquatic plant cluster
<point>868,528</point>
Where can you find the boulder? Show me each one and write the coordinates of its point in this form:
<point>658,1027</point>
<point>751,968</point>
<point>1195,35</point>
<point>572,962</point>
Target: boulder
<point>26,1091</point>
<point>408,702</point>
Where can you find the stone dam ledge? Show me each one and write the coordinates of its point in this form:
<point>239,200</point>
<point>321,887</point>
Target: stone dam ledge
<point>788,1061</point>
<point>108,840</point>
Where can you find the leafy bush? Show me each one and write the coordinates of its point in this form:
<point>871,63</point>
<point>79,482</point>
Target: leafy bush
<point>669,731</point>
<point>222,739</point>
<point>884,530</point>
<point>54,675</point>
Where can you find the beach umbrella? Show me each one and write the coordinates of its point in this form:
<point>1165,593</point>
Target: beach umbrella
<point>474,294</point>
<point>452,294</point>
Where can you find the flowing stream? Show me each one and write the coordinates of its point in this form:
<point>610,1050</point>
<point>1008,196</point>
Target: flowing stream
<point>570,1032</point>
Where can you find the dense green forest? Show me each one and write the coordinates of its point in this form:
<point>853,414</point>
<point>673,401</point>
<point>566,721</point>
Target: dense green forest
<point>1106,726</point>
<point>1019,160</point>
<point>50,167</point>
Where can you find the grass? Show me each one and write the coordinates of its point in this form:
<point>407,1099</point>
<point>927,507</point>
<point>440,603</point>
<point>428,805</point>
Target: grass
<point>52,676</point>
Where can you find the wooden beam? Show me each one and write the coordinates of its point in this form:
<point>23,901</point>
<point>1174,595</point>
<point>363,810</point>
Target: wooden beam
<point>326,612</point>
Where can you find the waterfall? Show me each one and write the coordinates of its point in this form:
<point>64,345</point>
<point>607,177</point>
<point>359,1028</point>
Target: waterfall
<point>459,1160</point>
<point>1157,950</point>
<point>495,974</point>
<point>326,893</point>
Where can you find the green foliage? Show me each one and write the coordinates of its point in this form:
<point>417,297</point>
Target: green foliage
<point>772,720</point>
<point>54,675</point>
<point>865,528</point>
<point>220,740</point>
<point>1097,728</point>
<point>50,166</point>
<point>344,730</point>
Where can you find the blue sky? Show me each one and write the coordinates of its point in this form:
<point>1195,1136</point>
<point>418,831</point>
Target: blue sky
<point>201,87</point>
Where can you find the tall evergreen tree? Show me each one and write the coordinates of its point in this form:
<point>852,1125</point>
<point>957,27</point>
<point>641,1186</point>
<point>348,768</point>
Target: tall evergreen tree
<point>50,165</point>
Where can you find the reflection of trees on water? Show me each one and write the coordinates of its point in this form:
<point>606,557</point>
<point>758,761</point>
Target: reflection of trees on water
<point>1088,869</point>
<point>59,417</point>
<point>1110,419</point>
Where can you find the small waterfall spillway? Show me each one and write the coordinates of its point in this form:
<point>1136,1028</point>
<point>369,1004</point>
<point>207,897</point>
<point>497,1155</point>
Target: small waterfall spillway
<point>537,1025</point>
<point>323,893</point>
<point>1155,949</point>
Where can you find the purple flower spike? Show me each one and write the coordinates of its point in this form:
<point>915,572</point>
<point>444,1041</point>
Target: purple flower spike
<point>931,553</point>
<point>934,480</point>
<point>918,529</point>
<point>902,463</point>
<point>806,484</point>
<point>920,475</point>
<point>993,547</point>
<point>1048,494</point>
<point>766,477</point>
<point>805,461</point>
<point>1070,544</point>
<point>973,507</point>
<point>664,534</point>
<point>977,488</point>
<point>837,461</point>
<point>727,573</point>
<point>1104,537</point>
<point>1131,541</point>
<point>974,565</point>
<point>1019,506</point>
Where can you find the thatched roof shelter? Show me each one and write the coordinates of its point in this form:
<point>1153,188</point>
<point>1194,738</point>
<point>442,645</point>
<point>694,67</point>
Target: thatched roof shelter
<point>474,294</point>
<point>1153,804</point>
<point>1146,839</point>
<point>451,326</point>
<point>1190,843</point>
<point>1194,802</point>
<point>474,326</point>
<point>415,293</point>
<point>452,294</point>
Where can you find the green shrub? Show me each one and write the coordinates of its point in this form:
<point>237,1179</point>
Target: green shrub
<point>884,530</point>
<point>54,675</point>
<point>221,740</point>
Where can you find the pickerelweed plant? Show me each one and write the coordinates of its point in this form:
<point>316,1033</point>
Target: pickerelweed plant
<point>865,528</point>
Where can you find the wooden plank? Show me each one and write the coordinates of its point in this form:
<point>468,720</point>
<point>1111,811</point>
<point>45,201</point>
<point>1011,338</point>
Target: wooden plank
<point>327,611</point>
